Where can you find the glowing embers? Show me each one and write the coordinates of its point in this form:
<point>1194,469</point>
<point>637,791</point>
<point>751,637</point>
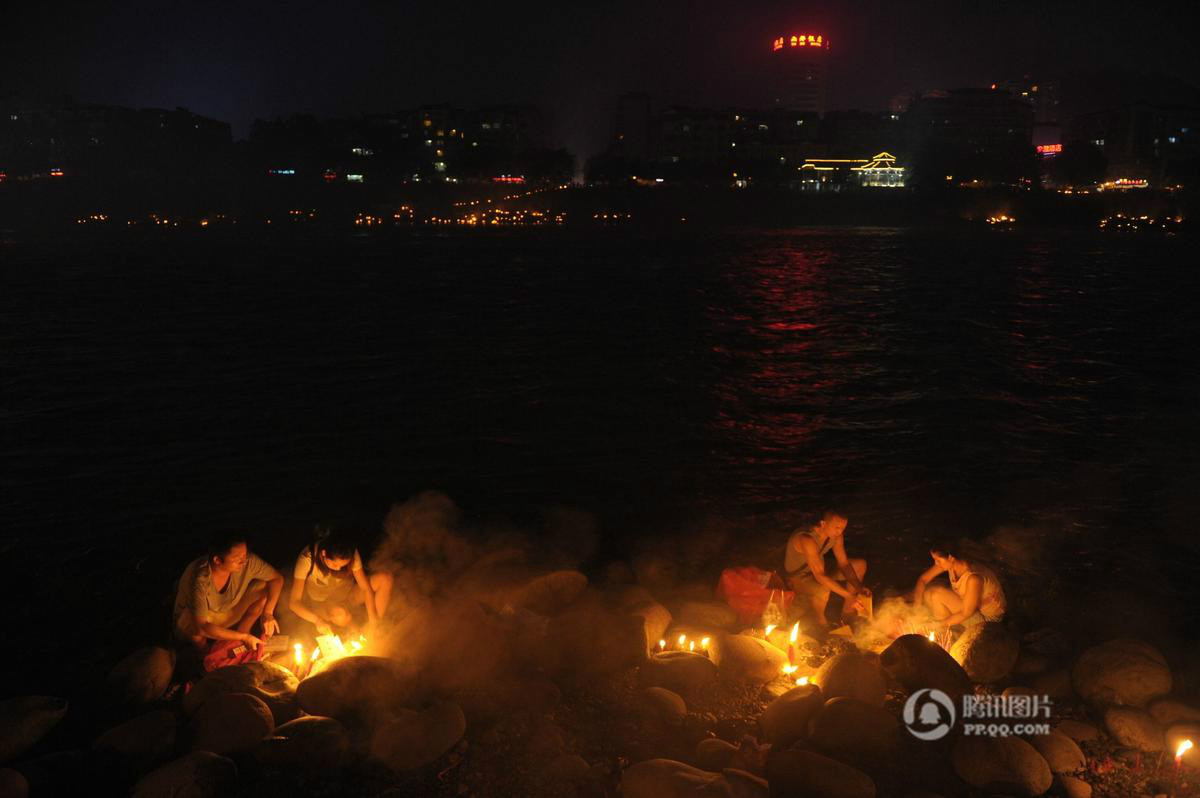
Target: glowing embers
<point>1001,220</point>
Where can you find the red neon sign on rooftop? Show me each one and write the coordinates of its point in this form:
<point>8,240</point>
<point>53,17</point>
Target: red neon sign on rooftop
<point>800,40</point>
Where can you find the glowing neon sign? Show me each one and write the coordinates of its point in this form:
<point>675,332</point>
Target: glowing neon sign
<point>509,179</point>
<point>800,40</point>
<point>1048,149</point>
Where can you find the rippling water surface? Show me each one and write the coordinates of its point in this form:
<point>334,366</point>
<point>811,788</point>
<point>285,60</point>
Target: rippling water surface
<point>928,382</point>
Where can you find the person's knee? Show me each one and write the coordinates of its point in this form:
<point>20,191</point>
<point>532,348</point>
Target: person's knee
<point>339,616</point>
<point>860,566</point>
<point>381,580</point>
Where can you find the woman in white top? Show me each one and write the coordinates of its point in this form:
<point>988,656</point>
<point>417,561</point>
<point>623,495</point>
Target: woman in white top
<point>329,580</point>
<point>974,594</point>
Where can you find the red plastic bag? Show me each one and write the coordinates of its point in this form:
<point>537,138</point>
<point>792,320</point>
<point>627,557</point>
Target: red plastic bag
<point>748,590</point>
<point>230,652</point>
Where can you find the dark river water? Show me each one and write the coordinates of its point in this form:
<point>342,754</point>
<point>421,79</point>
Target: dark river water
<point>928,382</point>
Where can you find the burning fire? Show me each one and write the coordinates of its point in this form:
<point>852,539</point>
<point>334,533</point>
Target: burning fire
<point>803,680</point>
<point>1183,748</point>
<point>795,633</point>
<point>329,648</point>
<point>932,637</point>
<point>768,630</point>
<point>789,669</point>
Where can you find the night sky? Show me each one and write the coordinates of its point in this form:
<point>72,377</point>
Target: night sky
<point>237,61</point>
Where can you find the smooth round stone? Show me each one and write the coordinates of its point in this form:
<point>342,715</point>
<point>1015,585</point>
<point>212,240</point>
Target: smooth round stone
<point>1135,728</point>
<point>786,719</point>
<point>807,773</point>
<point>746,657</point>
<point>1168,712</point>
<point>667,778</point>
<point>854,675</point>
<point>1077,730</point>
<point>274,684</point>
<point>353,688</point>
<point>860,734</point>
<point>308,743</point>
<point>655,620</point>
<point>714,754</point>
<point>231,723</point>
<point>143,740</point>
<point>142,677</point>
<point>680,671</point>
<point>917,663</point>
<point>1001,762</point>
<point>1122,671</point>
<point>1075,788</point>
<point>200,774</point>
<point>1060,752</point>
<point>25,720</point>
<point>415,739</point>
<point>987,651</point>
<point>662,706</point>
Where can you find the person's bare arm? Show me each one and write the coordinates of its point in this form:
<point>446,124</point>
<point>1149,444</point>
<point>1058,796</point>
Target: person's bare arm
<point>298,607</point>
<point>274,588</point>
<point>970,601</point>
<point>364,584</point>
<point>843,561</point>
<point>210,629</point>
<point>812,556</point>
<point>923,581</point>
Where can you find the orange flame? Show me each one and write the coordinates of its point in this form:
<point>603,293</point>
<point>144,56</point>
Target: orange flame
<point>1183,748</point>
<point>704,643</point>
<point>795,632</point>
<point>299,651</point>
<point>768,630</point>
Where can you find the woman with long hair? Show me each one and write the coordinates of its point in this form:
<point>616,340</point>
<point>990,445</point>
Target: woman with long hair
<point>974,594</point>
<point>329,580</point>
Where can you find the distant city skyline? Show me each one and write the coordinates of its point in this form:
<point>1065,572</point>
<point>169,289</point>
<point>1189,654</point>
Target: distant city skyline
<point>364,56</point>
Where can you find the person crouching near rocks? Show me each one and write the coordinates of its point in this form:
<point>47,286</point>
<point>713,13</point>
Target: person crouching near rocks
<point>224,593</point>
<point>329,580</point>
<point>804,563</point>
<point>975,594</point>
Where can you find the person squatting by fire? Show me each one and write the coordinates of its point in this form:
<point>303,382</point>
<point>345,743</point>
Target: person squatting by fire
<point>329,579</point>
<point>805,562</point>
<point>974,596</point>
<point>225,593</point>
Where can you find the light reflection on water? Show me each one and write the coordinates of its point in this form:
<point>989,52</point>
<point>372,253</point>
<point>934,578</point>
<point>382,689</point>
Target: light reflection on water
<point>928,382</point>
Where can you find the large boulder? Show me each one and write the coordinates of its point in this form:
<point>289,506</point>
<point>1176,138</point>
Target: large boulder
<point>231,723</point>
<point>813,775</point>
<point>986,651</point>
<point>853,674</point>
<point>714,616</point>
<point>200,774</point>
<point>591,640</point>
<point>25,720</point>
<point>413,740</point>
<point>1075,788</point>
<point>1168,712</point>
<point>746,657</point>
<point>666,778</point>
<point>274,684</point>
<point>682,671</point>
<point>515,585</point>
<point>655,620</point>
<point>142,741</point>
<point>356,688</point>
<point>1007,764</point>
<point>714,754</point>
<point>142,677</point>
<point>917,663</point>
<point>860,734</point>
<point>1060,752</point>
<point>1122,671</point>
<point>1077,730</point>
<point>1135,728</point>
<point>308,743</point>
<point>662,707</point>
<point>786,719</point>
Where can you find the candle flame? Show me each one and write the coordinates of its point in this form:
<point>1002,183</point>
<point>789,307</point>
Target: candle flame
<point>790,668</point>
<point>315,655</point>
<point>1183,748</point>
<point>704,643</point>
<point>692,646</point>
<point>768,630</point>
<point>662,644</point>
<point>299,650</point>
<point>682,640</point>
<point>795,632</point>
<point>932,638</point>
<point>803,680</point>
<point>357,646</point>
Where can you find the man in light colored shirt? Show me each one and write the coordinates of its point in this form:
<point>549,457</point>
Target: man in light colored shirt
<point>222,594</point>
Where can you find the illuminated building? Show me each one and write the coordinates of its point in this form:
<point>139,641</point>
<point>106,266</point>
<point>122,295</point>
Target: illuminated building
<point>833,174</point>
<point>800,65</point>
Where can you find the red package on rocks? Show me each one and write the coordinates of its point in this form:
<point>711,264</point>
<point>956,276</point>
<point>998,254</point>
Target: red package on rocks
<point>749,590</point>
